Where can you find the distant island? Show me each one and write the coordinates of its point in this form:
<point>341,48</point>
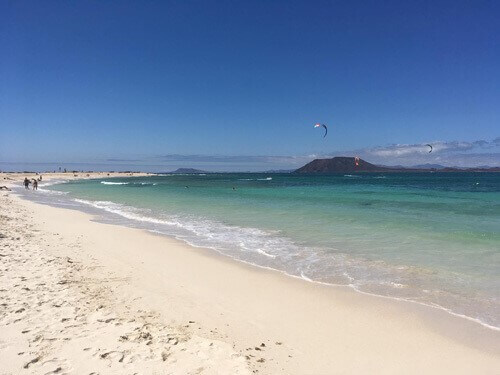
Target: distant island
<point>343,164</point>
<point>188,171</point>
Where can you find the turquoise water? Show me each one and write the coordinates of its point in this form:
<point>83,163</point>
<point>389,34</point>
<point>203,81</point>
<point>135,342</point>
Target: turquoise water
<point>433,238</point>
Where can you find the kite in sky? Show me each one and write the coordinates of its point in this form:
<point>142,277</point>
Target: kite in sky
<point>322,125</point>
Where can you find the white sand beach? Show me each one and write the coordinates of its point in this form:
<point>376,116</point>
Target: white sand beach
<point>84,297</point>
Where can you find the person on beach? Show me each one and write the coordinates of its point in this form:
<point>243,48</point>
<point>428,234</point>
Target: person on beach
<point>26,183</point>
<point>35,184</point>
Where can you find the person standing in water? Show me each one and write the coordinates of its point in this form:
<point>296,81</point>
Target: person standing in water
<point>26,183</point>
<point>35,184</point>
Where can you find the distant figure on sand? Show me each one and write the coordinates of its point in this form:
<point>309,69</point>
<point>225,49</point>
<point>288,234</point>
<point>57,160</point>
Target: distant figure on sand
<point>35,184</point>
<point>26,183</point>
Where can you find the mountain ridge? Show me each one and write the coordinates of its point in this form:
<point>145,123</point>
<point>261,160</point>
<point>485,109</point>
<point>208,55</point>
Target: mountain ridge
<point>347,164</point>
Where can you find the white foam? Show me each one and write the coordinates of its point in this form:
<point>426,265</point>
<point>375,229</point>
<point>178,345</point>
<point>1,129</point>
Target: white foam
<point>260,251</point>
<point>43,185</point>
<point>119,209</point>
<point>302,276</point>
<point>114,183</point>
<point>208,233</point>
<point>52,192</point>
<point>255,179</point>
<point>51,182</point>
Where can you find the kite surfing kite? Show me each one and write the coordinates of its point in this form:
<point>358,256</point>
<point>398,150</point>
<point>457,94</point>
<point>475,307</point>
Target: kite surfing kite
<point>430,147</point>
<point>322,125</point>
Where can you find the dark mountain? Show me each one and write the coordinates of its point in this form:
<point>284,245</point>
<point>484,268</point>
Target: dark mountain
<point>279,171</point>
<point>188,171</point>
<point>428,166</point>
<point>485,167</point>
<point>474,169</point>
<point>343,164</point>
<point>340,164</point>
<point>398,166</point>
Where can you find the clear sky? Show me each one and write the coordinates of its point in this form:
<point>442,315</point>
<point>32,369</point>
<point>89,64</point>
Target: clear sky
<point>240,84</point>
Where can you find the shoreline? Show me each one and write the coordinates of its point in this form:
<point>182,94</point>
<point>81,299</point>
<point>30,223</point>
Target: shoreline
<point>251,264</point>
<point>212,252</point>
<point>262,304</point>
<point>56,177</point>
<point>217,253</point>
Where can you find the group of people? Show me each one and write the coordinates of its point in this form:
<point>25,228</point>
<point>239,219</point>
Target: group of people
<point>27,183</point>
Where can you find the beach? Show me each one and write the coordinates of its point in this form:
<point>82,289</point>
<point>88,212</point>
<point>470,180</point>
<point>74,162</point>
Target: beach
<point>81,296</point>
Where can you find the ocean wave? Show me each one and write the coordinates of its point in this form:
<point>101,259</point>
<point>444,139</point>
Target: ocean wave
<point>201,232</point>
<point>114,183</point>
<point>52,192</point>
<point>255,179</point>
<point>52,182</point>
<point>304,277</point>
<point>266,254</point>
<point>119,209</point>
<point>43,185</point>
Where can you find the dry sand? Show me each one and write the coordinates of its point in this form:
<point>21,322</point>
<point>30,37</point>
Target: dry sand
<point>61,314</point>
<point>83,297</point>
<point>7,178</point>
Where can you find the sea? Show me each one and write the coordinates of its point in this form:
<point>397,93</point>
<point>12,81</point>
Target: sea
<point>429,238</point>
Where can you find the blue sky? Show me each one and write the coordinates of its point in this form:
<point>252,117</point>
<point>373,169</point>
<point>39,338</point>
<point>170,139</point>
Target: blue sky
<point>239,84</point>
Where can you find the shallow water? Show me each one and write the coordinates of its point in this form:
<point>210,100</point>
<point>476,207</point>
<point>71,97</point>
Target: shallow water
<point>432,238</point>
